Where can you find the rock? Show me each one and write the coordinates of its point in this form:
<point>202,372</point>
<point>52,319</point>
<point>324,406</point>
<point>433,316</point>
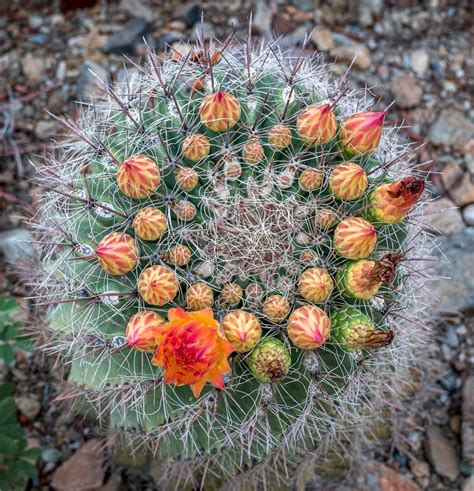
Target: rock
<point>189,14</point>
<point>125,41</point>
<point>406,91</point>
<point>452,174</point>
<point>468,484</point>
<point>468,151</point>
<point>323,40</point>
<point>113,484</point>
<point>456,254</point>
<point>83,470</point>
<point>463,193</point>
<point>468,214</point>
<point>28,407</point>
<point>421,471</point>
<point>262,19</point>
<point>377,476</point>
<point>467,430</point>
<point>443,216</point>
<point>451,128</point>
<point>282,24</point>
<point>204,30</point>
<point>347,53</point>
<point>137,9</point>
<point>51,455</point>
<point>33,68</point>
<point>442,453</point>
<point>87,83</point>
<point>420,61</point>
<point>44,130</point>
<point>14,244</point>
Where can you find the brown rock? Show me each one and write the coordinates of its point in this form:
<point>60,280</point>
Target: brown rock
<point>463,194</point>
<point>421,471</point>
<point>468,151</point>
<point>33,68</point>
<point>442,453</point>
<point>283,24</point>
<point>467,429</point>
<point>451,128</point>
<point>387,479</point>
<point>451,174</point>
<point>348,52</point>
<point>443,216</point>
<point>406,91</point>
<point>83,470</point>
<point>468,484</point>
<point>323,39</point>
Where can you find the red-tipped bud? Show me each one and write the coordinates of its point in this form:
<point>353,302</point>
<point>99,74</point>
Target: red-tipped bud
<point>309,327</point>
<point>142,330</point>
<point>355,238</point>
<point>196,147</point>
<point>138,177</point>
<point>117,253</point>
<point>361,132</point>
<point>219,111</point>
<point>348,181</point>
<point>276,308</point>
<point>315,285</point>
<point>242,329</point>
<point>157,285</point>
<point>316,124</point>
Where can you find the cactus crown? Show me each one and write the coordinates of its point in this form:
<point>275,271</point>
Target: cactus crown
<point>206,222</point>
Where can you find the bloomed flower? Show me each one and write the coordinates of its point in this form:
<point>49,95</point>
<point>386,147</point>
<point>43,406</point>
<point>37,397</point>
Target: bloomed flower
<point>192,350</point>
<point>242,329</point>
<point>157,285</point>
<point>390,203</point>
<point>316,124</point>
<point>279,136</point>
<point>196,147</point>
<point>219,111</point>
<point>138,177</point>
<point>348,181</point>
<point>276,308</point>
<point>150,223</point>
<point>315,285</point>
<point>142,329</point>
<point>355,238</point>
<point>117,253</point>
<point>308,327</point>
<point>361,132</point>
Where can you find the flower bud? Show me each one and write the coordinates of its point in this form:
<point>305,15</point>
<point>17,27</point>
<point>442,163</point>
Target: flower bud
<point>361,132</point>
<point>315,285</point>
<point>316,124</point>
<point>184,210</point>
<point>117,253</point>
<point>150,223</point>
<point>270,360</point>
<point>390,203</point>
<point>279,136</point>
<point>196,147</point>
<point>178,255</point>
<point>276,308</point>
<point>355,238</point>
<point>231,295</point>
<point>142,330</point>
<point>348,181</point>
<point>326,218</point>
<point>219,111</point>
<point>253,152</point>
<point>157,285</point>
<point>356,280</point>
<point>138,177</point>
<point>242,329</point>
<point>309,327</point>
<point>187,178</point>
<point>199,296</point>
<point>311,179</point>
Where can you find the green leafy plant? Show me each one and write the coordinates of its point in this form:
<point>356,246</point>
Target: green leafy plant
<point>10,330</point>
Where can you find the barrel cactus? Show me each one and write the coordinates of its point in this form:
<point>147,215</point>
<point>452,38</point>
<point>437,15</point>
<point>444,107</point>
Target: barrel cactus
<point>225,243</point>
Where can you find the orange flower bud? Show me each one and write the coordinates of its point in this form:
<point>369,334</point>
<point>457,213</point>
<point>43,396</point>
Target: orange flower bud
<point>198,85</point>
<point>142,330</point>
<point>138,177</point>
<point>231,294</point>
<point>253,152</point>
<point>348,181</point>
<point>117,253</point>
<point>326,218</point>
<point>184,210</point>
<point>178,255</point>
<point>187,178</point>
<point>315,285</point>
<point>150,223</point>
<point>193,350</point>
<point>361,132</point>
<point>219,111</point>
<point>199,296</point>
<point>157,285</point>
<point>242,329</point>
<point>316,124</point>
<point>311,179</point>
<point>196,147</point>
<point>276,308</point>
<point>279,136</point>
<point>309,327</point>
<point>390,203</point>
<point>355,238</point>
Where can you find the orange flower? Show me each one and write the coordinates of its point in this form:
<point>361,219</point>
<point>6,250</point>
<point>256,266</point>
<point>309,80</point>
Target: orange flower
<point>361,132</point>
<point>192,350</point>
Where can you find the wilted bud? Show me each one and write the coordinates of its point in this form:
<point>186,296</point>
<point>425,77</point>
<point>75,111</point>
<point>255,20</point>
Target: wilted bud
<point>138,177</point>
<point>390,203</point>
<point>199,296</point>
<point>270,360</point>
<point>196,147</point>
<point>187,178</point>
<point>315,285</point>
<point>355,238</point>
<point>316,124</point>
<point>178,255</point>
<point>117,253</point>
<point>157,285</point>
<point>150,223</point>
<point>311,179</point>
<point>276,308</point>
<point>279,136</point>
<point>142,330</point>
<point>356,280</point>
<point>242,329</point>
<point>309,327</point>
<point>219,111</point>
<point>361,132</point>
<point>348,181</point>
<point>253,152</point>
